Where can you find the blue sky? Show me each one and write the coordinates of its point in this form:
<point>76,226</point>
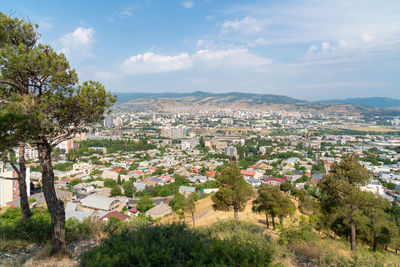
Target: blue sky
<point>307,49</point>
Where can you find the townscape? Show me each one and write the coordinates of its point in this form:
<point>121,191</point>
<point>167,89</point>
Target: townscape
<point>96,177</point>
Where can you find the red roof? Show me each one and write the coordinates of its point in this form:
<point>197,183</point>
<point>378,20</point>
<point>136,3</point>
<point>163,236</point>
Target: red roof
<point>247,173</point>
<point>254,166</point>
<point>210,173</point>
<point>118,170</point>
<point>280,180</point>
<point>149,182</point>
<point>115,214</point>
<point>133,210</point>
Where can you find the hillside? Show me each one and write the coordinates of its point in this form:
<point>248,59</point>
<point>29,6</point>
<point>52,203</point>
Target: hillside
<point>245,101</point>
<point>199,95</point>
<point>375,102</point>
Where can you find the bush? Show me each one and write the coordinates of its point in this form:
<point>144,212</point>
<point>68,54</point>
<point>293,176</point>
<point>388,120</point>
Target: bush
<point>76,230</point>
<point>177,245</point>
<point>37,229</point>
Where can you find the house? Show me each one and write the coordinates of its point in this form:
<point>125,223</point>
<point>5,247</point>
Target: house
<point>132,212</point>
<point>253,182</point>
<point>115,214</point>
<point>200,178</point>
<point>186,190</point>
<point>159,211</point>
<point>110,175</point>
<point>78,214</point>
<point>248,174</point>
<point>100,202</point>
<point>274,181</point>
<point>140,186</point>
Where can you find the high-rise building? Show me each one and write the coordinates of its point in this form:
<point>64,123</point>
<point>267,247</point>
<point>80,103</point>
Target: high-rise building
<point>109,121</point>
<point>9,189</point>
<point>174,132</point>
<point>231,151</point>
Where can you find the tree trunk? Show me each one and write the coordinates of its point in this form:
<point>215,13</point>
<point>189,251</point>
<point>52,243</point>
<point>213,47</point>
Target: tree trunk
<point>23,196</point>
<point>353,237</point>
<point>374,245</point>
<point>194,220</point>
<point>54,205</point>
<point>236,213</point>
<point>266,219</point>
<point>273,221</point>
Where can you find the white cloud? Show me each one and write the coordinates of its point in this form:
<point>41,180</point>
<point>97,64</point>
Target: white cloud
<point>188,4</point>
<point>325,47</point>
<point>77,42</point>
<point>258,42</point>
<point>200,42</point>
<point>312,49</point>
<point>153,63</point>
<point>126,13</point>
<point>248,25</point>
<point>234,58</point>
<point>230,58</point>
<point>366,38</point>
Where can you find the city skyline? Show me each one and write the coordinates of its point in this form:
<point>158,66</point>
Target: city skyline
<point>308,50</point>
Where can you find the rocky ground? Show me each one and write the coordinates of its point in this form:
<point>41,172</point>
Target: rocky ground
<point>35,256</point>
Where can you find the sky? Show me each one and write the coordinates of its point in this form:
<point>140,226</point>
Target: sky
<point>306,49</point>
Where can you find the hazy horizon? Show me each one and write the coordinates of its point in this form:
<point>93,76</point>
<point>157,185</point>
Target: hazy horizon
<point>310,50</point>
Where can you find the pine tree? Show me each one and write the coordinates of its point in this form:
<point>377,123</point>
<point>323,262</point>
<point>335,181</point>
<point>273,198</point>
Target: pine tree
<point>41,80</point>
<point>233,191</point>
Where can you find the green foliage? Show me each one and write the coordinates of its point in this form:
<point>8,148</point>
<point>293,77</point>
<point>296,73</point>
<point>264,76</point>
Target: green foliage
<point>67,166</point>
<point>116,191</point>
<point>113,146</point>
<point>177,245</point>
<point>129,188</point>
<point>207,184</point>
<point>177,203</point>
<point>273,202</point>
<point>37,229</point>
<point>76,230</point>
<point>145,203</point>
<point>233,191</point>
<point>74,182</point>
<point>167,189</point>
<point>110,183</point>
<point>295,233</point>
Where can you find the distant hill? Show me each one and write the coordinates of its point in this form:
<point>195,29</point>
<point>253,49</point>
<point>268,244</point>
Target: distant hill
<point>375,102</point>
<point>233,96</point>
<point>234,100</point>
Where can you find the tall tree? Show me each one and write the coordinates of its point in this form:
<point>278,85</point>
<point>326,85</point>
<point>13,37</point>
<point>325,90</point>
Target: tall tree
<point>14,34</point>
<point>263,202</point>
<point>284,207</point>
<point>59,108</point>
<point>233,191</point>
<point>189,206</point>
<point>341,196</point>
<point>273,202</point>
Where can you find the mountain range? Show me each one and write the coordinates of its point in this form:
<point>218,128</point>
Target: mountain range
<point>376,102</point>
<point>199,99</point>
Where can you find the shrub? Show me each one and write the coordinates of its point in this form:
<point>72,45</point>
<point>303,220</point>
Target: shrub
<point>76,230</point>
<point>178,245</point>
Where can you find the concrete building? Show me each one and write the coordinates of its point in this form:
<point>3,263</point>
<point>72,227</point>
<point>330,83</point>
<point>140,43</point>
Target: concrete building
<point>174,132</point>
<point>109,121</point>
<point>9,189</point>
<point>231,151</point>
<point>159,211</point>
